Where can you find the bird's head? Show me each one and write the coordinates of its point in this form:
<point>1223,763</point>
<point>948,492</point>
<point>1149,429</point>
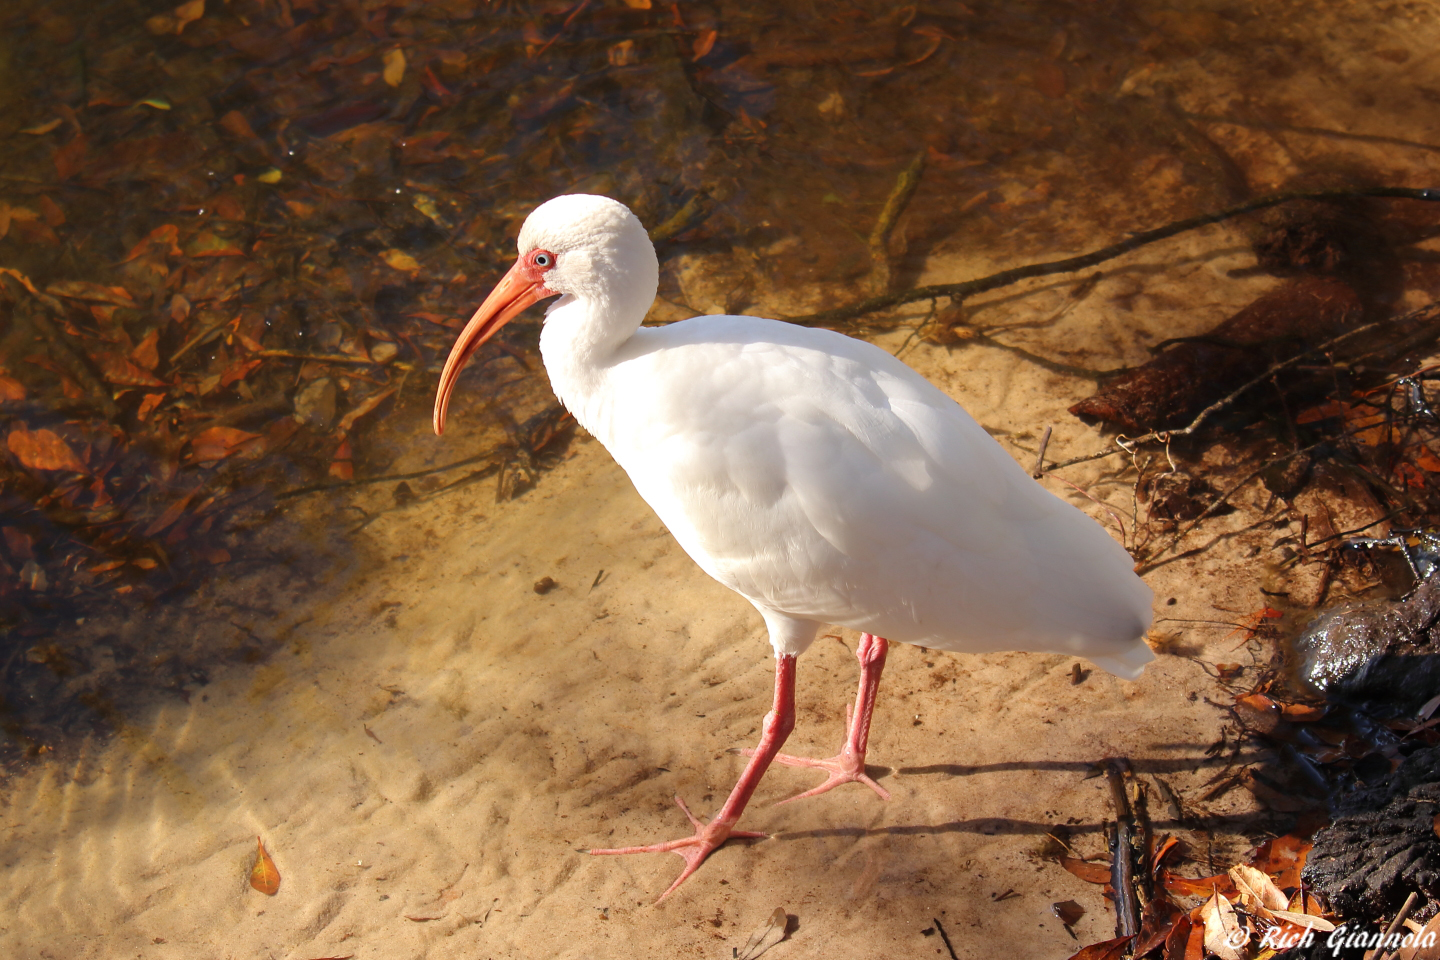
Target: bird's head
<point>577,245</point>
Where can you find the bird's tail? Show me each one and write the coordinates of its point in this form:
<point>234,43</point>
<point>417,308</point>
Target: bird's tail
<point>1128,665</point>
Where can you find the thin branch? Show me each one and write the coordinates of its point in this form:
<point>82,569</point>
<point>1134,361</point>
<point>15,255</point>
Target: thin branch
<point>959,291</point>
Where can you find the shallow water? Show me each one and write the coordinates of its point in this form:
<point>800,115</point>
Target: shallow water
<point>259,597</point>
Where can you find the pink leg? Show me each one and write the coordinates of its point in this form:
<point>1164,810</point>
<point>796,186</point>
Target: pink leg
<point>849,765</point>
<point>708,837</point>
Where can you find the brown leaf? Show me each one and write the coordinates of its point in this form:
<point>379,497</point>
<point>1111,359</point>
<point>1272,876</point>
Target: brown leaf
<point>1303,920</point>
<point>166,234</point>
<point>1087,871</point>
<point>1186,941</point>
<point>1257,891</point>
<point>1224,936</point>
<point>121,372</point>
<point>1425,945</point>
<point>84,290</point>
<point>71,157</point>
<point>1160,916</point>
<point>11,389</point>
<point>43,450</point>
<point>208,244</point>
<point>1302,712</point>
<point>1105,950</point>
<point>217,443</point>
<point>263,876</point>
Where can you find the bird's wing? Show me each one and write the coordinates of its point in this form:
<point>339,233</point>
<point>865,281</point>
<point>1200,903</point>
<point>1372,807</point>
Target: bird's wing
<point>822,478</point>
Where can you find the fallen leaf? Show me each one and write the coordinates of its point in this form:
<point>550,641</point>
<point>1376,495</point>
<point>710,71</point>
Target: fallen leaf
<point>43,450</point>
<point>1224,937</point>
<point>171,514</point>
<point>1304,920</point>
<point>11,389</point>
<point>84,290</point>
<point>400,260</point>
<point>1257,891</point>
<point>188,13</point>
<point>1418,950</point>
<point>208,244</point>
<point>1282,858</point>
<point>1087,871</point>
<point>1203,887</point>
<point>123,373</point>
<point>1105,950</point>
<point>1159,917</point>
<point>394,67</point>
<point>342,467</point>
<point>148,405</point>
<point>704,43</point>
<point>43,128</point>
<point>263,876</point>
<point>765,937</point>
<point>167,234</point>
<point>638,4</point>
<point>362,408</point>
<point>1186,941</point>
<point>1302,712</point>
<point>147,352</point>
<point>217,443</point>
<point>71,157</point>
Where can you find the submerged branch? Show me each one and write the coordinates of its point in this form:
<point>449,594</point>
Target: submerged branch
<point>959,291</point>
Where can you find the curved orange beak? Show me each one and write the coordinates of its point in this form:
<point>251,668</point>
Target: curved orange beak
<point>517,290</point>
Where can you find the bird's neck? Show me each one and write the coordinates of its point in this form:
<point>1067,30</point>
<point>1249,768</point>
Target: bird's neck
<point>580,342</point>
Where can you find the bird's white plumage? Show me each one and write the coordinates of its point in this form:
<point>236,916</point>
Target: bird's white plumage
<point>817,475</point>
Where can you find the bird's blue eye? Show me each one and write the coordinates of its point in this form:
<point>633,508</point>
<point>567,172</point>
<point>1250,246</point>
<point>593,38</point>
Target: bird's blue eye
<point>542,260</point>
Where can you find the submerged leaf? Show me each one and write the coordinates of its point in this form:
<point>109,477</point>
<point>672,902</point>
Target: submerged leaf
<point>43,450</point>
<point>1104,950</point>
<point>394,67</point>
<point>263,876</point>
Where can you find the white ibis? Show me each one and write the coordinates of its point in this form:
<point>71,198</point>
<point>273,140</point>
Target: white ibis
<point>815,475</point>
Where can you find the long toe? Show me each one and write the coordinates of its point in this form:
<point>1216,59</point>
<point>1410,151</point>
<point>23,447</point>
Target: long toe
<point>707,838</point>
<point>840,768</point>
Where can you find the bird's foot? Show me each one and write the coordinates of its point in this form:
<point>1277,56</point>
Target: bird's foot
<point>845,767</point>
<point>708,837</point>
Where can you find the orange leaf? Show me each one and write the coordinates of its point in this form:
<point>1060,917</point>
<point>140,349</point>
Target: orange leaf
<point>148,405</point>
<point>188,13</point>
<point>121,372</point>
<point>43,450</point>
<point>208,244</point>
<point>1089,872</point>
<point>11,389</point>
<point>362,408</point>
<point>217,443</point>
<point>1105,950</point>
<point>1302,712</point>
<point>147,354</point>
<point>171,514</point>
<point>167,234</point>
<point>263,876</point>
<point>704,43</point>
<point>1203,887</point>
<point>343,467</point>
<point>1283,858</point>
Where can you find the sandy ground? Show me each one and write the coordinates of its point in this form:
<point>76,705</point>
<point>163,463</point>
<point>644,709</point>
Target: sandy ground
<point>433,741</point>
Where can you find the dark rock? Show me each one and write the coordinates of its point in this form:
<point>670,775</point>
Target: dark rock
<point>1383,650</point>
<point>1381,845</point>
